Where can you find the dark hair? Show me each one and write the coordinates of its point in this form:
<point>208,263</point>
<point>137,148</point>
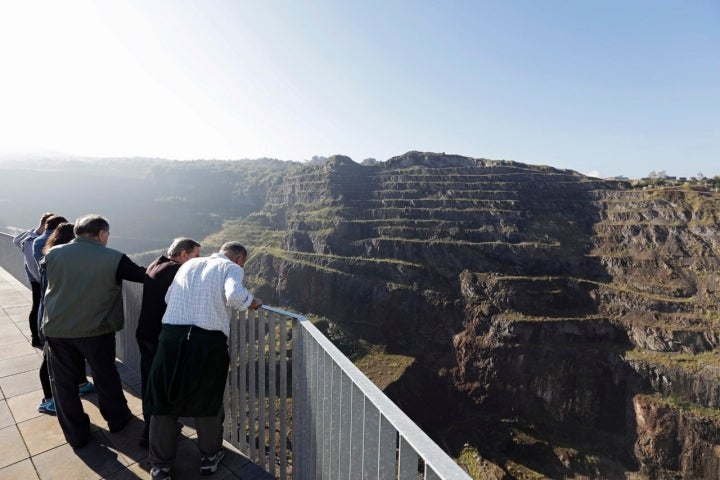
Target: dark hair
<point>91,225</point>
<point>180,245</point>
<point>55,220</point>
<point>62,234</point>
<point>233,250</point>
<point>44,218</point>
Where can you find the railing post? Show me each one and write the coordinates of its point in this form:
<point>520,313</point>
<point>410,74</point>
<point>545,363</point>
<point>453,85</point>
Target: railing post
<point>243,367</point>
<point>261,365</point>
<point>273,344</point>
<point>252,388</point>
<point>357,426</point>
<point>313,408</point>
<point>283,399</point>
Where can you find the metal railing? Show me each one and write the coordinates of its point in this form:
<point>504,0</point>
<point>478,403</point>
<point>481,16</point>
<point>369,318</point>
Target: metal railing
<point>297,407</point>
<point>323,418</point>
<point>11,259</point>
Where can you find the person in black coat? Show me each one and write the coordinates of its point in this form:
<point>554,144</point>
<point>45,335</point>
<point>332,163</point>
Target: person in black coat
<point>158,277</point>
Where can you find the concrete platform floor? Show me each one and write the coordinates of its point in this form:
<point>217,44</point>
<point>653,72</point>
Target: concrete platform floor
<point>32,445</point>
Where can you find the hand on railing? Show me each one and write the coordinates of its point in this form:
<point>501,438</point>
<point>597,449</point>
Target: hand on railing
<point>255,304</point>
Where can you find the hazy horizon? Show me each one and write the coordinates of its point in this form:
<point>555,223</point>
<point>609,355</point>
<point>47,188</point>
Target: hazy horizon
<point>14,158</point>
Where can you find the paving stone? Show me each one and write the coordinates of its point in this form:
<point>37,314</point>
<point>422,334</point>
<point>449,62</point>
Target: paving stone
<point>6,418</point>
<point>90,405</point>
<point>10,334</point>
<point>134,402</point>
<point>133,472</point>
<point>21,364</point>
<point>11,300</point>
<point>127,440</point>
<point>24,407</point>
<point>95,460</point>
<point>17,350</point>
<point>19,383</point>
<point>12,447</point>
<point>19,314</point>
<point>41,433</point>
<point>24,470</point>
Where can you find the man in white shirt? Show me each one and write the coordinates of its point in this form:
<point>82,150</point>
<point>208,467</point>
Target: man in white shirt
<point>189,372</point>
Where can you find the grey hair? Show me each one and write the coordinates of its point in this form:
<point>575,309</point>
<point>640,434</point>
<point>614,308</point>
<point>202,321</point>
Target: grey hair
<point>181,244</point>
<point>91,224</point>
<point>233,250</point>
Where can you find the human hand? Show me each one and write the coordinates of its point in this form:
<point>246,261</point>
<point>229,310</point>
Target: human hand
<point>255,304</point>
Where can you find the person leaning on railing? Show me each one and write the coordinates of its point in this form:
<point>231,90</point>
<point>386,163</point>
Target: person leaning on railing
<point>158,277</point>
<point>24,241</point>
<point>83,310</point>
<point>188,375</point>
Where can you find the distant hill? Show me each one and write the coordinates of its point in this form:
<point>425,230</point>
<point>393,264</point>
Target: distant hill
<point>147,201</point>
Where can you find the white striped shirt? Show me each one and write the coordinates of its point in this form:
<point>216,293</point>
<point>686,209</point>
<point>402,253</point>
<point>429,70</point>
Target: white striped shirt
<point>204,293</point>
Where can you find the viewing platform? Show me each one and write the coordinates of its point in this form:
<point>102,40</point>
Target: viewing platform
<point>295,407</point>
<point>32,445</point>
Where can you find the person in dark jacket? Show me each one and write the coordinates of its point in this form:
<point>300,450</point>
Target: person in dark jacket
<point>83,310</point>
<point>188,374</point>
<point>51,224</point>
<point>158,277</point>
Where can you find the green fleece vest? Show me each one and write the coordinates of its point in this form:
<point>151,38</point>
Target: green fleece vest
<point>83,298</point>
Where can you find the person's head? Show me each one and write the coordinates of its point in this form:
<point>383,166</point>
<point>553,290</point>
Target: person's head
<point>53,221</point>
<point>235,252</point>
<point>62,234</point>
<point>41,226</point>
<point>93,226</point>
<point>183,249</point>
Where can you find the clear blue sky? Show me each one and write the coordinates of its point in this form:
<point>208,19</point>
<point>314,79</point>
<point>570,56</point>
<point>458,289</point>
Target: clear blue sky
<point>608,87</point>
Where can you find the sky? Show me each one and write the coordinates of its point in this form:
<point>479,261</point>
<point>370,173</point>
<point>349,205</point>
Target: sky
<point>616,87</point>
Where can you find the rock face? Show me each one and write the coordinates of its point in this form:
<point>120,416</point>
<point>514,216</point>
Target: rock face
<point>537,299</point>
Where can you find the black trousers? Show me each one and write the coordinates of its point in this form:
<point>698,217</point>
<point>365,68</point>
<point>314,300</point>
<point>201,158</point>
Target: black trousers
<point>33,317</point>
<point>65,357</point>
<point>148,349</point>
<point>45,377</point>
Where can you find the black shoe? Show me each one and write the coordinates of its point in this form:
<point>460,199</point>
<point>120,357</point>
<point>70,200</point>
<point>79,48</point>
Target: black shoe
<point>209,465</point>
<point>37,343</point>
<point>157,473</point>
<point>144,442</point>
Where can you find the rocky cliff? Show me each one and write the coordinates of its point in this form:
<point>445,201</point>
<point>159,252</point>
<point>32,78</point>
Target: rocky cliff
<point>563,326</point>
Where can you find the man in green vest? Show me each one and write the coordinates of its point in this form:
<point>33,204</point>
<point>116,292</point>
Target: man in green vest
<point>83,310</point>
